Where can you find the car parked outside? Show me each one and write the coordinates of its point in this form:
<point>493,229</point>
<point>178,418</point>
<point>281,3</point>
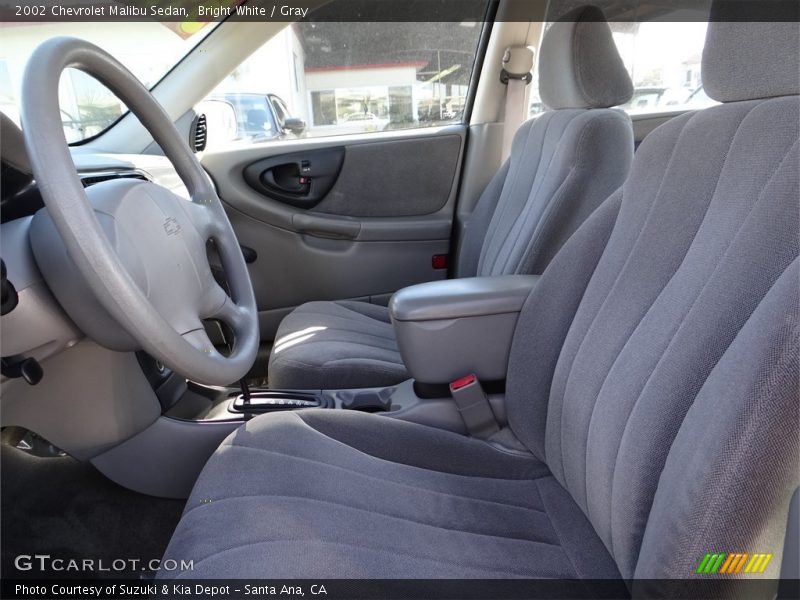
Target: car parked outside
<point>260,117</point>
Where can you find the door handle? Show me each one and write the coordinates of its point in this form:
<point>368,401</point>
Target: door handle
<point>287,178</point>
<point>300,179</point>
<point>327,227</point>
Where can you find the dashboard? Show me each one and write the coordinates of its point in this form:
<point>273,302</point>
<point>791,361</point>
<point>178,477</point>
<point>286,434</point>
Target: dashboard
<point>19,196</point>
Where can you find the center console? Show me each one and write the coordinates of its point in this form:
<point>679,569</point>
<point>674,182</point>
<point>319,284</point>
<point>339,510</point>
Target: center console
<point>448,329</point>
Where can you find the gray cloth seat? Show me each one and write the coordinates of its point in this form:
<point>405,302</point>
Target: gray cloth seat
<point>653,381</point>
<point>353,345</point>
<point>481,515</point>
<point>563,164</point>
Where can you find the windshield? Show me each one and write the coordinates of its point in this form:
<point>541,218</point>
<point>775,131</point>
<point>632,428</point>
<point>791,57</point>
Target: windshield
<point>148,49</point>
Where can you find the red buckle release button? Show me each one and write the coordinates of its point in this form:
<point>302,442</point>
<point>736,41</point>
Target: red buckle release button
<point>463,382</point>
<point>439,261</point>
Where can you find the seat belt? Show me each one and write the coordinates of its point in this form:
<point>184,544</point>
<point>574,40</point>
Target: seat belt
<point>515,74</point>
<point>474,408</point>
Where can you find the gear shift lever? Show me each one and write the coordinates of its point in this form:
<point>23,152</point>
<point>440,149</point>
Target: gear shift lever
<point>245,391</point>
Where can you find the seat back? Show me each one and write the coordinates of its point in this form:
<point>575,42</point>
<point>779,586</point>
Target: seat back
<point>563,163</point>
<point>655,367</point>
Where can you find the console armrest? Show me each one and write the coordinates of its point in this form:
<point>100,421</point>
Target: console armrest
<point>447,329</point>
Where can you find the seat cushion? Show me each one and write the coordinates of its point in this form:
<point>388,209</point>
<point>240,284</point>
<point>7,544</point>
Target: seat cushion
<point>341,494</point>
<point>336,345</point>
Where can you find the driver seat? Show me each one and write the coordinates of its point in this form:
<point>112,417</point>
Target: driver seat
<point>652,393</point>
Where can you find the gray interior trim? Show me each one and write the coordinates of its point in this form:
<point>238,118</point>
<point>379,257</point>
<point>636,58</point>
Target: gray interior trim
<point>444,350</point>
<point>331,269</point>
<point>89,400</point>
<point>165,459</point>
<point>464,297</point>
<point>449,329</point>
<point>226,168</point>
<point>38,326</point>
<point>368,184</point>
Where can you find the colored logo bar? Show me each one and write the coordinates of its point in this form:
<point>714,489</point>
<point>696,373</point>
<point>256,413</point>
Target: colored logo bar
<point>733,563</point>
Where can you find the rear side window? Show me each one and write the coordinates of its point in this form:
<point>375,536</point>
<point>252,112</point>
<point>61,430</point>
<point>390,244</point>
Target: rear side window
<point>663,59</point>
<point>334,78</point>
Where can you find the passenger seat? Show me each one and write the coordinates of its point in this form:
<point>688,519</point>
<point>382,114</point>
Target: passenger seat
<point>563,164</point>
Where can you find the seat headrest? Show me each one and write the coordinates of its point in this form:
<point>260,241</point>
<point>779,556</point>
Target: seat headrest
<point>579,66</point>
<point>746,58</point>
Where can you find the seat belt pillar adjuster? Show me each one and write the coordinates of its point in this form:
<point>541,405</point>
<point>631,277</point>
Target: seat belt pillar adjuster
<point>473,406</point>
<point>515,74</point>
<point>517,63</point>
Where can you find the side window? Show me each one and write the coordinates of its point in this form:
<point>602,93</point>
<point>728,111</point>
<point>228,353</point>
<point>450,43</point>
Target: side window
<point>334,78</point>
<point>663,59</point>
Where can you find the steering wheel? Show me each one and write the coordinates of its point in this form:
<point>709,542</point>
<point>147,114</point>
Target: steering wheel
<point>140,249</point>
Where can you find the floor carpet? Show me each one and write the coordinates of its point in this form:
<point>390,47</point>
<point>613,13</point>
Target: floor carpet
<point>67,509</point>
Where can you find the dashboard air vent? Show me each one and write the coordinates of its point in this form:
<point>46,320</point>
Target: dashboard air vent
<point>198,133</point>
<point>89,179</point>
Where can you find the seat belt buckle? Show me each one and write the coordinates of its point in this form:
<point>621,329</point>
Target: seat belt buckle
<point>473,406</point>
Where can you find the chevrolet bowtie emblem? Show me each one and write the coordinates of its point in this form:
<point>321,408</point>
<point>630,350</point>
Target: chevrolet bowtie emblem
<point>171,226</point>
